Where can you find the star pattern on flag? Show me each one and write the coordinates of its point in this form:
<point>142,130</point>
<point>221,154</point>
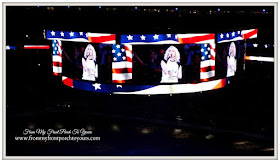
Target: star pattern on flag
<point>130,37</point>
<point>81,33</point>
<point>62,34</point>
<point>53,33</point>
<point>255,45</point>
<point>71,34</point>
<point>143,37</point>
<point>96,86</point>
<point>119,86</point>
<point>156,36</point>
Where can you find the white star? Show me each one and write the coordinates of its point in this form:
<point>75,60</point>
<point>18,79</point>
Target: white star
<point>238,32</point>
<point>115,59</point>
<point>130,37</point>
<point>55,48</point>
<point>53,52</point>
<point>119,54</point>
<point>222,36</point>
<point>81,33</point>
<point>209,56</point>
<point>119,86</point>
<point>176,36</point>
<point>202,50</point>
<point>113,51</point>
<point>62,34</point>
<point>156,36</point>
<point>54,41</point>
<point>233,34</point>
<point>52,45</point>
<point>208,48</point>
<point>118,46</point>
<point>265,45</point>
<point>53,33</point>
<point>143,37</point>
<point>123,49</point>
<point>205,45</point>
<point>202,58</point>
<point>227,35</point>
<point>96,86</point>
<point>71,34</point>
<point>123,57</point>
<point>168,35</point>
<point>206,53</point>
<point>255,45</point>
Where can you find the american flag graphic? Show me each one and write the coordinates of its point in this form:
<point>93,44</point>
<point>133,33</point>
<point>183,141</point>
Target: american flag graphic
<point>57,57</point>
<point>196,38</point>
<point>237,35</point>
<point>81,36</point>
<point>122,63</point>
<point>149,39</point>
<point>207,64</point>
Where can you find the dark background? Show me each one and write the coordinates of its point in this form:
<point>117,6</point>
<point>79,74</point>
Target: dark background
<point>242,111</point>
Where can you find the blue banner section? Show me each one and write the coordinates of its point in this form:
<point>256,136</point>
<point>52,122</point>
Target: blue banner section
<point>50,34</point>
<point>148,38</point>
<point>108,88</point>
<point>236,35</point>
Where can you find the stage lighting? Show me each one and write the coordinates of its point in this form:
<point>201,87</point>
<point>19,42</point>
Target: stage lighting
<point>210,136</point>
<point>218,9</point>
<point>135,8</point>
<point>115,128</point>
<point>99,7</point>
<point>176,9</point>
<point>263,10</point>
<point>90,127</point>
<point>145,131</point>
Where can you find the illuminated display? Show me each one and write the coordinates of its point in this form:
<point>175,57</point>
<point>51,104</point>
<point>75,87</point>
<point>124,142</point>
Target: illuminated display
<point>147,63</point>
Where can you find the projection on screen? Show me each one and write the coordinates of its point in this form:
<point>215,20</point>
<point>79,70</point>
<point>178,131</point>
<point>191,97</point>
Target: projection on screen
<point>230,58</point>
<point>144,65</point>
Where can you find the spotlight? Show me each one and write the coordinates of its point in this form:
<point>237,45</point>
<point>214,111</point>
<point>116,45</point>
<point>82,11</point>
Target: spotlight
<point>135,8</point>
<point>115,128</point>
<point>99,7</point>
<point>176,9</point>
<point>263,10</point>
<point>218,9</point>
<point>145,131</point>
<point>68,6</point>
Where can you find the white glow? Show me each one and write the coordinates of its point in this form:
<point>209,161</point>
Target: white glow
<point>258,58</point>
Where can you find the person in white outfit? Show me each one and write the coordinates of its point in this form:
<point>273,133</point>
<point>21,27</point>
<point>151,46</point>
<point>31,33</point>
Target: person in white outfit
<point>171,68</point>
<point>90,71</point>
<point>231,60</point>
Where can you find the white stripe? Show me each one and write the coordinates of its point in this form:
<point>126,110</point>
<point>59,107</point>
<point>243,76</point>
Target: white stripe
<point>205,75</point>
<point>123,64</point>
<point>254,36</point>
<point>98,34</point>
<point>206,41</point>
<point>109,42</point>
<point>57,69</point>
<point>7,47</point>
<point>122,76</point>
<point>246,31</point>
<point>207,63</point>
<point>176,88</point>
<point>258,58</point>
<point>190,35</point>
<point>57,58</point>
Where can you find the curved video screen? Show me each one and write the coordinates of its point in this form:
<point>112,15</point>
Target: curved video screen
<point>136,64</point>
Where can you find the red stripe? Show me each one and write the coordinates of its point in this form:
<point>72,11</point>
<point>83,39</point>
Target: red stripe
<point>36,47</point>
<point>126,48</point>
<point>212,57</point>
<point>59,64</point>
<point>68,82</point>
<point>128,59</point>
<point>206,69</point>
<point>196,38</point>
<point>102,39</point>
<point>118,81</point>
<point>57,74</point>
<point>123,70</point>
<point>207,79</point>
<point>250,34</point>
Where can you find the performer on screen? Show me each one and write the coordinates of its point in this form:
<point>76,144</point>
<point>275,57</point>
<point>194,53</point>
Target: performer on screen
<point>90,71</point>
<point>231,60</point>
<point>171,68</point>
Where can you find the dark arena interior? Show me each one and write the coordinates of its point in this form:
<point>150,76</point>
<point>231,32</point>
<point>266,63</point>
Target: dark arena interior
<point>236,120</point>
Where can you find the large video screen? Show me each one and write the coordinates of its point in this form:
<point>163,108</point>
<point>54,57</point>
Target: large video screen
<point>135,64</point>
